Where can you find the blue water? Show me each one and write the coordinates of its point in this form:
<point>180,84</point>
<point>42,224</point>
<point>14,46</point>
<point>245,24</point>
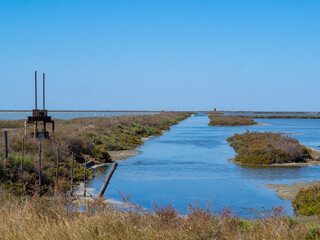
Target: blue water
<point>189,164</point>
<point>306,114</point>
<point>65,115</point>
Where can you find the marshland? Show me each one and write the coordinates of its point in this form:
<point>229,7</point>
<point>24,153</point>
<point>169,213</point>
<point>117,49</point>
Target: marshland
<point>175,159</point>
<point>159,119</point>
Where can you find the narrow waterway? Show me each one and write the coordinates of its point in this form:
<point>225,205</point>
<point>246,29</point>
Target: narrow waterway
<point>189,164</point>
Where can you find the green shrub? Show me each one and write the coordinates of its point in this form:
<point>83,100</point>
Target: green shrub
<point>307,201</point>
<point>16,161</point>
<point>314,234</point>
<point>101,154</point>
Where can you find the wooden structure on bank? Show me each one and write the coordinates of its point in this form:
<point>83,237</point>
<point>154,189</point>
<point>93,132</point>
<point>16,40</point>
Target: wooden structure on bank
<point>39,116</point>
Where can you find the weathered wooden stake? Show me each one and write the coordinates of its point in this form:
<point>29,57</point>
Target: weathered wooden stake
<point>104,187</point>
<point>72,165</point>
<point>57,167</point>
<point>22,155</point>
<point>25,129</point>
<point>40,170</point>
<point>5,144</point>
<point>85,174</point>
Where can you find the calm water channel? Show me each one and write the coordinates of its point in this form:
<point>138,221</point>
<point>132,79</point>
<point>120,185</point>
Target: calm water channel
<point>189,164</point>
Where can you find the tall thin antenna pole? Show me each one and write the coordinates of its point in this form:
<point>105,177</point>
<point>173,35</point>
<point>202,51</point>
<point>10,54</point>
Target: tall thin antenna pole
<point>44,94</point>
<point>36,101</point>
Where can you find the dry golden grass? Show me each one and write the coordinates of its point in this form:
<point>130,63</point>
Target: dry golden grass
<point>54,218</point>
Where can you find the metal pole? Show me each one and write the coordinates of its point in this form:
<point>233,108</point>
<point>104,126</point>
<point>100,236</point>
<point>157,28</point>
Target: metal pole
<point>36,93</point>
<point>44,94</point>
<point>72,165</point>
<point>22,156</point>
<point>104,187</point>
<point>5,144</point>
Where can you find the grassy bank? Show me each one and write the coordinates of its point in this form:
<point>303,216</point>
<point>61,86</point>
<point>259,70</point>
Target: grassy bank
<point>230,120</point>
<point>267,148</point>
<point>87,138</point>
<point>58,218</point>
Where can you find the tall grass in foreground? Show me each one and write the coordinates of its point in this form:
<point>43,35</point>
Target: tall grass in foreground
<point>57,218</point>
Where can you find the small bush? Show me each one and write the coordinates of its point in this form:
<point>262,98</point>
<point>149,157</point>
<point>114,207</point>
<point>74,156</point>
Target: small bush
<point>307,201</point>
<point>16,161</point>
<point>314,234</point>
<point>101,154</point>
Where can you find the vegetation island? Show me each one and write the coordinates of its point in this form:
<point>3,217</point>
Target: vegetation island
<point>268,148</point>
<point>220,120</point>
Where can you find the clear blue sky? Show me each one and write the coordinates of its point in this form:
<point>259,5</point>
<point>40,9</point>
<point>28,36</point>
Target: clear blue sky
<point>170,54</point>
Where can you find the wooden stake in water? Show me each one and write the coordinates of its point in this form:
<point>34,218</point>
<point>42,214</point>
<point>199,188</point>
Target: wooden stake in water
<point>40,170</point>
<point>104,187</point>
<point>72,165</point>
<point>22,155</point>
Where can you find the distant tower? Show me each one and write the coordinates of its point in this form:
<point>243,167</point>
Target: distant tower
<point>214,109</point>
<point>40,116</point>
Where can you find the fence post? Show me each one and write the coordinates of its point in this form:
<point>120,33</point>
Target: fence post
<point>104,187</point>
<point>25,129</point>
<point>22,155</point>
<point>72,165</point>
<point>5,144</point>
<point>40,172</point>
<point>85,170</point>
<point>57,167</point>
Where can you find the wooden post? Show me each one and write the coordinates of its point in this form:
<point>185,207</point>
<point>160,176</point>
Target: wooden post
<point>85,175</point>
<point>35,130</point>
<point>5,144</point>
<point>72,165</point>
<point>57,167</point>
<point>104,187</point>
<point>40,172</point>
<point>25,129</point>
<point>22,155</point>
